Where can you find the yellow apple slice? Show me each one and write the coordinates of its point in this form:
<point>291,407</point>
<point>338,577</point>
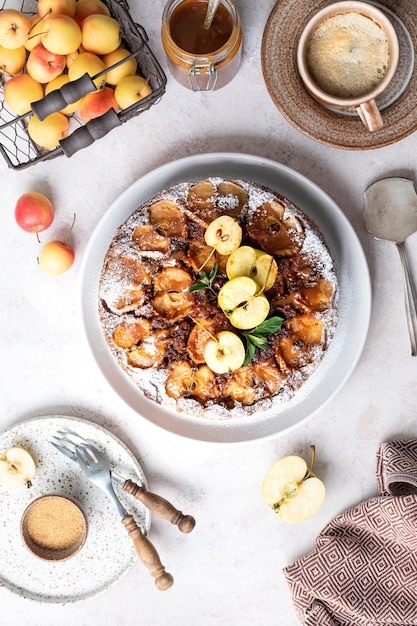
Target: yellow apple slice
<point>243,303</point>
<point>292,490</point>
<point>224,353</point>
<point>223,234</point>
<point>240,262</point>
<point>17,468</point>
<point>257,264</point>
<point>264,270</point>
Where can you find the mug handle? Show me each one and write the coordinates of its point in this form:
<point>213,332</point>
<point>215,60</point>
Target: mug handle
<point>370,115</point>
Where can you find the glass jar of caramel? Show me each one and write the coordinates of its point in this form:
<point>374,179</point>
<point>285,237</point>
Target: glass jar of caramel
<point>202,59</point>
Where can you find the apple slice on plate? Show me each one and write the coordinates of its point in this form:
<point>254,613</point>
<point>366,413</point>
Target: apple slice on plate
<point>243,302</point>
<point>292,490</point>
<point>224,353</point>
<point>223,234</point>
<point>17,468</point>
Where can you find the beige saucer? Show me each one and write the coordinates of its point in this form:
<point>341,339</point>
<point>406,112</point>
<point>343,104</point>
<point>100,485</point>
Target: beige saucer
<point>325,125</point>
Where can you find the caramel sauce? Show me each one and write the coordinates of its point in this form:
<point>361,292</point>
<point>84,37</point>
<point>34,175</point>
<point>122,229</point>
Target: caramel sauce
<point>187,31</point>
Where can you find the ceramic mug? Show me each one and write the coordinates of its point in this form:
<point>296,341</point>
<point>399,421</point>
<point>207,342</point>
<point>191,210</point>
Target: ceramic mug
<point>347,56</point>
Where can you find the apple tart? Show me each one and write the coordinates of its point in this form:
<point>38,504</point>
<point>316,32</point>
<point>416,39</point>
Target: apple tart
<point>218,298</point>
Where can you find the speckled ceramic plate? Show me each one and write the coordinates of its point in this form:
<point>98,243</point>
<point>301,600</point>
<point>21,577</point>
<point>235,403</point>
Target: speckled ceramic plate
<point>354,301</point>
<point>398,104</point>
<point>108,552</point>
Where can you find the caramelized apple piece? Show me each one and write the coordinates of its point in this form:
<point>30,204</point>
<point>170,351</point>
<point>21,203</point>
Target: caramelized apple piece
<point>202,386</point>
<point>202,201</point>
<point>172,279</point>
<point>124,292</point>
<point>253,382</point>
<point>179,380</point>
<point>130,332</point>
<point>172,305</point>
<point>297,350</point>
<point>148,239</point>
<point>150,352</point>
<point>168,219</point>
<point>307,329</point>
<point>318,298</point>
<point>270,230</point>
<point>231,191</point>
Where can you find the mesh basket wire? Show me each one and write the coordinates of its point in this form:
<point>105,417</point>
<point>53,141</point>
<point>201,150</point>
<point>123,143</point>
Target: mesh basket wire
<point>17,147</point>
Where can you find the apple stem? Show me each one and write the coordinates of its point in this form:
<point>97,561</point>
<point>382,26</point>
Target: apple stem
<point>313,456</point>
<point>36,23</point>
<point>70,230</point>
<point>207,260</point>
<point>207,331</point>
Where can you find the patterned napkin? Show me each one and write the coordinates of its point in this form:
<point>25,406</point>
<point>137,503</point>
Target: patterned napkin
<point>363,570</point>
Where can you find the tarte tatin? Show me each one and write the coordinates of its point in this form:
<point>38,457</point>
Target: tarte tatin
<point>218,298</point>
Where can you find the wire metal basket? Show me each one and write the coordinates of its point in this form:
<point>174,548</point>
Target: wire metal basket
<point>17,147</point>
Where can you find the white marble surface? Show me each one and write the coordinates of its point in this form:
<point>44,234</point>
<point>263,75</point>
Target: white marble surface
<point>228,571</point>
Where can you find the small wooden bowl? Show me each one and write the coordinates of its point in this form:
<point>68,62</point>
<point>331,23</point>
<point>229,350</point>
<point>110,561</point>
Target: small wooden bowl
<point>54,527</point>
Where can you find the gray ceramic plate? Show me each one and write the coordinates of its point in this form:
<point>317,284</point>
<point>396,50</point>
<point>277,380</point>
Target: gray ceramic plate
<point>354,308</point>
<point>398,105</point>
<point>108,553</point>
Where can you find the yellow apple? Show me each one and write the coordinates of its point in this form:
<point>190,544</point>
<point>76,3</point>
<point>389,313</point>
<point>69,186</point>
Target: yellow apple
<point>128,68</point>
<point>14,28</point>
<point>62,34</point>
<point>243,303</point>
<point>259,265</point>
<point>100,33</point>
<point>89,7</point>
<point>97,103</point>
<point>223,234</point>
<point>292,490</point>
<point>48,132</point>
<point>130,90</point>
<point>224,353</point>
<point>57,83</point>
<point>88,63</point>
<point>36,30</point>
<point>56,257</point>
<point>44,65</point>
<point>12,61</point>
<point>57,7</point>
<point>20,91</point>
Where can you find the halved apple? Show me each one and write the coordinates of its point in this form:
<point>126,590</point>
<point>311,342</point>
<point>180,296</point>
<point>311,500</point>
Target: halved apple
<point>292,490</point>
<point>223,234</point>
<point>17,468</point>
<point>243,302</point>
<point>224,352</point>
<point>257,264</point>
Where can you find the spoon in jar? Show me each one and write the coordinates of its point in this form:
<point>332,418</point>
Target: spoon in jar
<point>391,214</point>
<point>211,10</point>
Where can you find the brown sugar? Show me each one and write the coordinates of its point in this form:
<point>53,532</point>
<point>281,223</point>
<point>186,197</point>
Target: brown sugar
<point>55,523</point>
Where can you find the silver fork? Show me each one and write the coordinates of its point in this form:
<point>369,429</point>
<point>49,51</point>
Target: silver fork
<point>66,443</point>
<point>95,468</point>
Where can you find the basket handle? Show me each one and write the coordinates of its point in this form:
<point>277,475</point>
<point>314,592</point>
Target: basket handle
<point>86,135</point>
<point>60,98</point>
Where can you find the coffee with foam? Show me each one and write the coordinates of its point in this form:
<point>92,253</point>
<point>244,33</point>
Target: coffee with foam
<point>348,55</point>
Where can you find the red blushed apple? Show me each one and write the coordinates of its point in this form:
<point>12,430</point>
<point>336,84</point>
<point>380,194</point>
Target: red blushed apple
<point>89,7</point>
<point>97,103</point>
<point>44,65</point>
<point>34,212</point>
<point>56,257</point>
<point>14,28</point>
<point>20,91</point>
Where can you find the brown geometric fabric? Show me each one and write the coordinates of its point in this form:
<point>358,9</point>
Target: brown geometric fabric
<point>363,569</point>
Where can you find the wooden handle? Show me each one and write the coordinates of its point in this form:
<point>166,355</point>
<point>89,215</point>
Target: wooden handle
<point>161,507</point>
<point>148,554</point>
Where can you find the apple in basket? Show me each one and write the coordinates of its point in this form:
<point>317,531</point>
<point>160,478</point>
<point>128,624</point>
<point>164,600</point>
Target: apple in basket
<point>100,34</point>
<point>97,103</point>
<point>47,133</point>
<point>128,68</point>
<point>20,91</point>
<point>44,65</point>
<point>57,7</point>
<point>89,63</point>
<point>12,61</point>
<point>130,90</point>
<point>14,28</point>
<point>89,7</point>
<point>17,468</point>
<point>292,490</point>
<point>62,34</point>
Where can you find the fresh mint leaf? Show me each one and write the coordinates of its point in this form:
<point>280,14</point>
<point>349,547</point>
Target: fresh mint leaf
<point>257,338</point>
<point>205,281</point>
<point>250,351</point>
<point>269,326</point>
